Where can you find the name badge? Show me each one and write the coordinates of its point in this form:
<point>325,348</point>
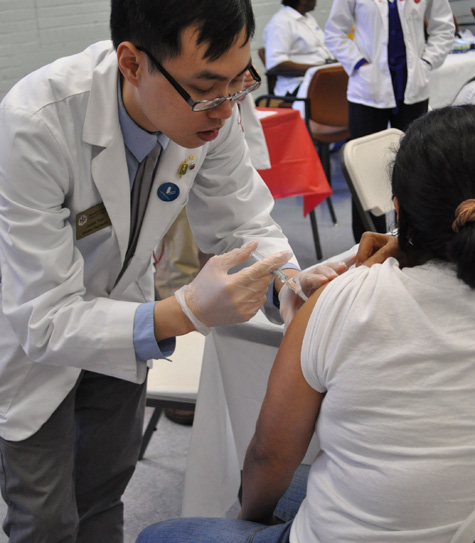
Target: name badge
<point>92,220</point>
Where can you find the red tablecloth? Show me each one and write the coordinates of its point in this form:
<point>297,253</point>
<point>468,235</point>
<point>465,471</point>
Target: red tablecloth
<point>296,169</point>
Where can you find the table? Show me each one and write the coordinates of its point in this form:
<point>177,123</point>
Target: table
<point>237,361</point>
<point>236,364</point>
<point>296,169</point>
<point>447,80</point>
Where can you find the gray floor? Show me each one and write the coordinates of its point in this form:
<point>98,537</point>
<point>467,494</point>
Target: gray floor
<point>155,491</point>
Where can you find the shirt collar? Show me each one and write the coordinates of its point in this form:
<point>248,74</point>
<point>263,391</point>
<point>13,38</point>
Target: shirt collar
<point>294,13</point>
<point>138,141</point>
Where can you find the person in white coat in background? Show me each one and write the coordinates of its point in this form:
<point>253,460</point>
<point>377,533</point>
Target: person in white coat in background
<point>294,42</point>
<point>394,46</point>
<point>78,318</point>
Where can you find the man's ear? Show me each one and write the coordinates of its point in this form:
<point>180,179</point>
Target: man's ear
<point>131,62</point>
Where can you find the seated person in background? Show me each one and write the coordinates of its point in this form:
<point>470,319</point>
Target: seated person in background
<point>381,365</point>
<point>294,43</point>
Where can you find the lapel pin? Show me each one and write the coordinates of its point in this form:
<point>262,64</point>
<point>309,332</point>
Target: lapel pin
<point>183,168</point>
<point>185,165</point>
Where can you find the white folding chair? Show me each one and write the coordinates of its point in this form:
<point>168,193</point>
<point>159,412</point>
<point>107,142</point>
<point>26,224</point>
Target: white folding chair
<point>365,165</point>
<point>174,384</point>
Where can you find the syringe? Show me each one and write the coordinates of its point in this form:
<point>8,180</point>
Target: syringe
<point>283,277</point>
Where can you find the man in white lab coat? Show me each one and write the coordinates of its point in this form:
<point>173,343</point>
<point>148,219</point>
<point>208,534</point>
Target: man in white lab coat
<point>77,315</point>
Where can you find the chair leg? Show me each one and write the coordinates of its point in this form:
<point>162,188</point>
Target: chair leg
<point>151,427</point>
<point>332,211</point>
<point>316,237</point>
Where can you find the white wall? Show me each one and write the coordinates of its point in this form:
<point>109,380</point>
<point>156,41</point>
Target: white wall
<point>463,13</point>
<point>35,32</point>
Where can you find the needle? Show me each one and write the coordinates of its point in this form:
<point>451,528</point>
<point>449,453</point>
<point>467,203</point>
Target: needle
<point>283,277</point>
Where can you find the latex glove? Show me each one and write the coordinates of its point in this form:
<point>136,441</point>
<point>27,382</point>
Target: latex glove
<point>310,281</point>
<point>216,297</point>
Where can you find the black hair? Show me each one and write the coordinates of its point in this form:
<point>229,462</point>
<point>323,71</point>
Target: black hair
<point>157,25</point>
<point>291,3</point>
<point>433,172</point>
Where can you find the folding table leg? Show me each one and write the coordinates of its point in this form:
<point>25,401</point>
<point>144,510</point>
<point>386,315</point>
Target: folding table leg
<point>316,237</point>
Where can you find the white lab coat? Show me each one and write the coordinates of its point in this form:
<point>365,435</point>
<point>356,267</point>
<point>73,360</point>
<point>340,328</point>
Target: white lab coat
<point>62,153</point>
<point>371,84</point>
<point>254,134</point>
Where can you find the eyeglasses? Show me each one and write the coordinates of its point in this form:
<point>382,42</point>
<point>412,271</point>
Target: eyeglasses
<point>203,105</point>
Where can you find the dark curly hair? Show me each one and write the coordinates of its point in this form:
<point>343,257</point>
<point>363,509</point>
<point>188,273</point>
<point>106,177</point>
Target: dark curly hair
<point>433,172</point>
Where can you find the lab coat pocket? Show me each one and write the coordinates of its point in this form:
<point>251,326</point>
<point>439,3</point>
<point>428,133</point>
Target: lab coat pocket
<point>361,83</point>
<point>421,79</point>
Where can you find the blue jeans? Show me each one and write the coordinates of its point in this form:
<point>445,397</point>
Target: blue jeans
<point>214,530</point>
<point>220,530</point>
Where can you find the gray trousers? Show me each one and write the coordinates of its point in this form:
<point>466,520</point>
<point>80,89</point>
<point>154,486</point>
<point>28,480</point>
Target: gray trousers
<point>64,483</point>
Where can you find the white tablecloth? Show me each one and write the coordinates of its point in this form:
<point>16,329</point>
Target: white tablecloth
<point>446,81</point>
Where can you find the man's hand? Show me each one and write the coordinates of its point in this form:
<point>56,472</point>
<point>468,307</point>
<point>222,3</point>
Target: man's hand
<point>216,297</point>
<point>376,248</point>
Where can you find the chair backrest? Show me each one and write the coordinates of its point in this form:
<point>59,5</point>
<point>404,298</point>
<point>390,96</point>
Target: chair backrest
<point>327,95</point>
<point>271,78</point>
<point>365,164</point>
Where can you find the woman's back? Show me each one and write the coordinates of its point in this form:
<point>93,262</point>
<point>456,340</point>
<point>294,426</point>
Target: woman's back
<point>395,350</point>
